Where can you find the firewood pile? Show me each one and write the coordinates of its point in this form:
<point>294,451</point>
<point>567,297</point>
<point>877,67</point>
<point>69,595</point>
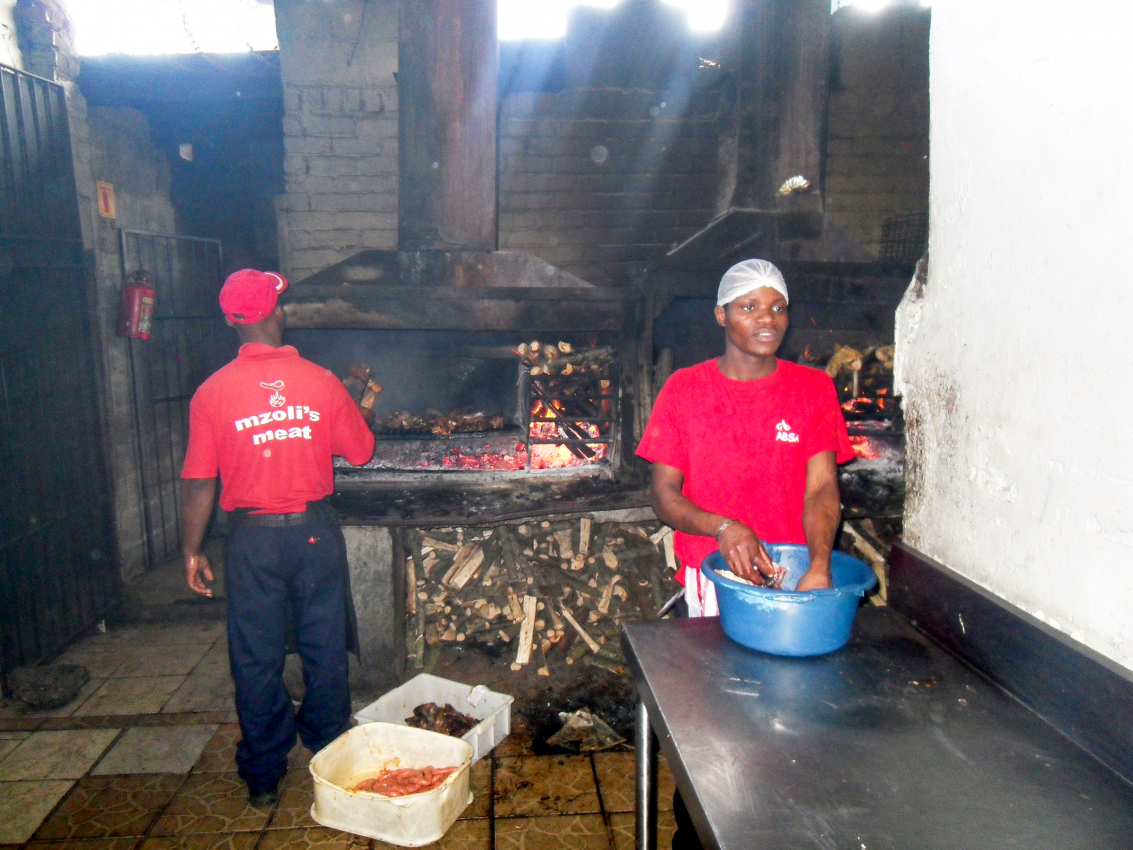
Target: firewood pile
<point>544,358</point>
<point>541,593</point>
<point>571,395</point>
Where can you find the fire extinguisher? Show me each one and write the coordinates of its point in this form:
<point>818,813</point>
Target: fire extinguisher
<point>135,312</point>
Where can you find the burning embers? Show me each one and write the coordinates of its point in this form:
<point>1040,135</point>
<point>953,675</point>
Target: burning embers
<point>571,403</point>
<point>567,408</point>
<point>864,380</point>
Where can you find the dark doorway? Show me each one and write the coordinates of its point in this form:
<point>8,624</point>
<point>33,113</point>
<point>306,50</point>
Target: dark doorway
<point>188,342</point>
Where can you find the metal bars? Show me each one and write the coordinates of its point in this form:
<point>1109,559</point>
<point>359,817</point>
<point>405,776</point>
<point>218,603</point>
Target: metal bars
<point>580,409</point>
<point>188,342</point>
<point>37,180</point>
<point>58,564</point>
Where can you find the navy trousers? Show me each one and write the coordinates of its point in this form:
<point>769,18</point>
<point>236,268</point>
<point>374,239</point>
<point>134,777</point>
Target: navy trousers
<point>273,575</point>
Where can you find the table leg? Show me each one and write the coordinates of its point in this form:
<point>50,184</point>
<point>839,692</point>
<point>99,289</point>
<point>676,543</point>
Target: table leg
<point>645,785</point>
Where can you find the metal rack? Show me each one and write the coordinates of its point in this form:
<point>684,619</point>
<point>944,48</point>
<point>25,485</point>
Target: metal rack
<point>581,402</point>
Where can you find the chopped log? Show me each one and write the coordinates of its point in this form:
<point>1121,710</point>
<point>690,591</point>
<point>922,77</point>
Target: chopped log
<point>443,545</point>
<point>566,550</point>
<point>515,608</point>
<point>411,587</point>
<point>527,632</point>
<point>590,642</point>
<point>465,565</point>
<point>370,395</point>
<point>584,536</point>
<point>609,558</point>
<point>607,596</point>
<point>670,553</point>
<point>660,535</point>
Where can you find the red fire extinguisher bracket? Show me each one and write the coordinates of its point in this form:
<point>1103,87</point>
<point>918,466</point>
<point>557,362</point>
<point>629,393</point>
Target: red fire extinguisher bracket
<point>135,311</point>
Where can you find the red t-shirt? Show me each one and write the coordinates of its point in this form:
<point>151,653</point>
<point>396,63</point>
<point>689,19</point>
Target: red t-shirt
<point>269,423</point>
<point>743,446</point>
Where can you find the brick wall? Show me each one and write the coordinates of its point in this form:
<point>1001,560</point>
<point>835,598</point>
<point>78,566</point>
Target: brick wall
<point>877,136</point>
<point>337,61</point>
<point>595,180</point>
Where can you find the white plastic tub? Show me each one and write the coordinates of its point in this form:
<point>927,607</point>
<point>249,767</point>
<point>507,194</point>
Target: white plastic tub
<point>493,710</point>
<point>365,751</point>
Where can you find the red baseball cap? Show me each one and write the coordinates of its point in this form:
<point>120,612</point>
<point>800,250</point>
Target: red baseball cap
<point>249,296</point>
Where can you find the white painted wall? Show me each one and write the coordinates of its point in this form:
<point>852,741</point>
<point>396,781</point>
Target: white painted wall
<point>9,47</point>
<point>1019,373</point>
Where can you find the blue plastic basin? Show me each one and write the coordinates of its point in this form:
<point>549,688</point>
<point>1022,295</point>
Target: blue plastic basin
<point>786,622</point>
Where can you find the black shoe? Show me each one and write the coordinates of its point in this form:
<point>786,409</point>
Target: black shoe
<point>263,799</point>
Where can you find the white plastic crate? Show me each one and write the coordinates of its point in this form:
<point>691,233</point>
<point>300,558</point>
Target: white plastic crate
<point>410,821</point>
<point>491,709</point>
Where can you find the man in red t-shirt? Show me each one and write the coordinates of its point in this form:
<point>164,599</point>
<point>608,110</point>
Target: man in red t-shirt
<point>744,447</point>
<point>268,424</point>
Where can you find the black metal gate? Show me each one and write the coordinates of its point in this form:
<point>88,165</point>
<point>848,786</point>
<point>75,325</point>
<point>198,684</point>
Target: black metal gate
<point>58,565</point>
<point>189,341</point>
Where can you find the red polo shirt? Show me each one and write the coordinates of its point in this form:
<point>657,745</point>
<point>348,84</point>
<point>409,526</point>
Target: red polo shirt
<point>743,446</point>
<point>269,423</point>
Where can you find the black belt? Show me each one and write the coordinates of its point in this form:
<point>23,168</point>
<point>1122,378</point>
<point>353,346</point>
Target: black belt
<point>316,512</point>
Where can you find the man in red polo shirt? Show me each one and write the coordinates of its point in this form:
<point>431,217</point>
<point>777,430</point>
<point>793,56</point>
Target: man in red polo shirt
<point>268,424</point>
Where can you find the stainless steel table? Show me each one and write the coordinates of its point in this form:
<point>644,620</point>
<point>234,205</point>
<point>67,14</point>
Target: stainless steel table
<point>889,743</point>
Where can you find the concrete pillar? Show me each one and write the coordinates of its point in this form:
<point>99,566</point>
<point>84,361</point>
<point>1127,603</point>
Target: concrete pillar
<point>778,62</point>
<point>377,582</point>
<point>447,69</point>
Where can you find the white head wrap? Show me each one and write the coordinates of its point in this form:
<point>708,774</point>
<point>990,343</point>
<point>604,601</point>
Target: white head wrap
<point>743,277</point>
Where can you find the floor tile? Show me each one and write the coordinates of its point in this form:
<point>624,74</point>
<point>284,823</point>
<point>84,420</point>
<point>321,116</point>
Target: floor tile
<point>616,782</point>
<point>56,755</point>
<point>24,805</point>
<point>100,659</point>
<point>99,721</point>
<point>186,718</point>
<point>108,806</point>
<point>544,785</point>
<point>568,832</point>
<point>624,831</point>
<point>462,835</point>
<point>204,692</point>
<point>87,844</point>
<point>140,695</point>
<point>18,722</point>
<point>161,661</point>
<point>517,743</point>
<point>210,802</point>
<point>296,794</point>
<point>156,749</point>
<point>481,786</point>
<point>219,756</point>
<point>195,633</point>
<point>300,759</point>
<point>202,841</point>
<point>215,660</point>
<point>7,745</point>
<point>313,838</point>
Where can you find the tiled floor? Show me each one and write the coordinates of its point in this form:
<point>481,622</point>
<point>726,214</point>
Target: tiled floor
<point>143,760</point>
